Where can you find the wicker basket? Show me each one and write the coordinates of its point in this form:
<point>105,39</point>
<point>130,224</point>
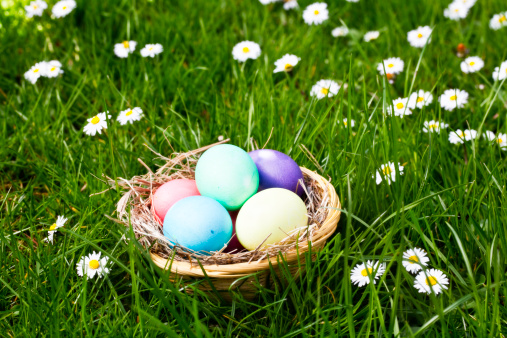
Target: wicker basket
<point>231,277</point>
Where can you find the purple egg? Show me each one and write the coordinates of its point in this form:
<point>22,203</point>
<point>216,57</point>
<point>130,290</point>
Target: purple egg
<point>277,170</point>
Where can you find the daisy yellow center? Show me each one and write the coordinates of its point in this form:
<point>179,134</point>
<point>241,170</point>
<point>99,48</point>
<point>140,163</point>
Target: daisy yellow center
<point>386,171</point>
<point>456,10</point>
<point>499,140</point>
<point>366,271</point>
<point>125,44</point>
<point>129,113</point>
<point>94,264</point>
<point>390,65</point>
<point>53,227</point>
<point>53,69</point>
<point>151,48</point>
<point>246,49</point>
<point>324,91</point>
<point>316,12</point>
<point>453,98</point>
<point>34,6</point>
<point>431,126</point>
<point>431,280</point>
<point>472,63</point>
<point>288,66</point>
<point>502,18</point>
<point>420,99</point>
<point>419,35</point>
<point>413,259</point>
<point>461,134</point>
<point>95,120</point>
<point>345,123</point>
<point>36,70</point>
<point>64,7</point>
<point>399,105</point>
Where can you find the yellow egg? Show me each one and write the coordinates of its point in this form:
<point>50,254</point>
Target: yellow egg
<point>271,214</point>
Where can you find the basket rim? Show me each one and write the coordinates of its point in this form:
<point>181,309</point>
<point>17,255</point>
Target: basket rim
<point>237,270</point>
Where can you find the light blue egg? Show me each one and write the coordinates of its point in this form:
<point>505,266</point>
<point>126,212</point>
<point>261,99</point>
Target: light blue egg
<point>198,223</point>
<point>227,174</point>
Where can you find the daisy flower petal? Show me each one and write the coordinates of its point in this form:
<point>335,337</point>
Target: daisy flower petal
<point>362,274</point>
<point>246,50</point>
<point>286,63</point>
<point>130,115</point>
<point>325,88</point>
<point>431,280</point>
<point>414,260</point>
<point>96,124</point>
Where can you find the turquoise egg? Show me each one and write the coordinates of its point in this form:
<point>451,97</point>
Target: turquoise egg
<point>198,223</point>
<point>227,174</point>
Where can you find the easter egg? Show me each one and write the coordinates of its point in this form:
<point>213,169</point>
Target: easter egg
<point>198,223</point>
<point>227,174</point>
<point>234,245</point>
<point>277,170</point>
<point>271,214</point>
<point>171,192</point>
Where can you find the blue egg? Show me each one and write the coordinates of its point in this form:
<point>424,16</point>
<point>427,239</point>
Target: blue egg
<point>198,223</point>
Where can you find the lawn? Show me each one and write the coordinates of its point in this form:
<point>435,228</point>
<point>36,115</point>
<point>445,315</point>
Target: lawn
<point>449,200</point>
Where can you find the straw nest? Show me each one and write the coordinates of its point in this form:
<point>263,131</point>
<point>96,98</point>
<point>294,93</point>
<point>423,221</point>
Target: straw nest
<point>135,208</point>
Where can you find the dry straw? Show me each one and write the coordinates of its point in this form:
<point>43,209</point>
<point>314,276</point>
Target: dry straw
<point>223,269</point>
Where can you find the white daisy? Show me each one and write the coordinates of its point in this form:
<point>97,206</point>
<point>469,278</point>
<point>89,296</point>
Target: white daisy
<point>467,3</point>
<point>36,71</point>
<point>456,11</point>
<point>325,88</point>
<point>316,13</point>
<point>340,31</point>
<point>432,279</point>
<point>489,136</point>
<point>453,98</point>
<point>498,21</point>
<point>352,0</point>
<point>151,50</point>
<point>501,140</point>
<point>346,123</point>
<point>434,126</point>
<point>460,136</point>
<point>60,222</point>
<point>419,36</point>
<point>53,68</point>
<point>286,63</point>
<point>36,8</point>
<point>471,64</point>
<point>500,73</point>
<point>122,50</point>
<point>246,50</point>
<point>363,273</point>
<point>267,2</point>
<point>387,172</point>
<point>419,99</point>
<point>400,107</point>
<point>130,115</point>
<point>373,35</point>
<point>414,259</point>
<point>62,8</point>
<point>96,124</point>
<point>391,66</point>
<point>290,4</point>
<point>92,265</point>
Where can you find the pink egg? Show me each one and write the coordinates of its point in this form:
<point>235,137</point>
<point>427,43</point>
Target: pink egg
<point>234,244</point>
<point>171,192</point>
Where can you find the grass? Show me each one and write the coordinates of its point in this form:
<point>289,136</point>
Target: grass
<point>451,200</point>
